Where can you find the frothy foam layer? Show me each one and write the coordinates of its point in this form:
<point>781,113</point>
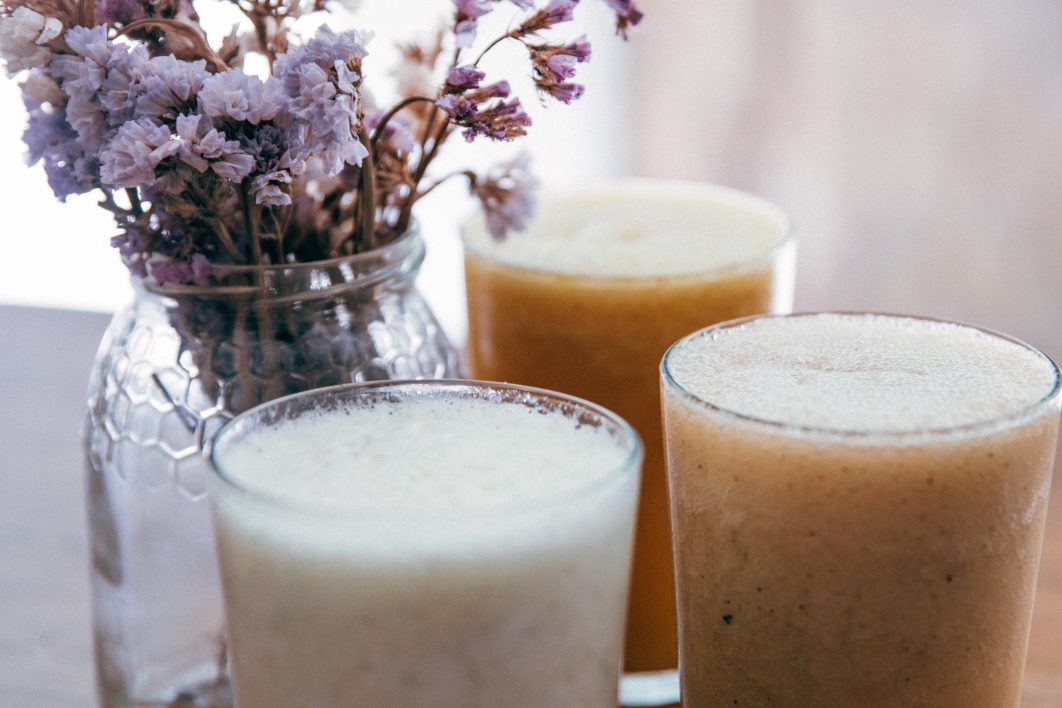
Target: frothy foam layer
<point>423,453</point>
<point>640,228</point>
<point>861,372</point>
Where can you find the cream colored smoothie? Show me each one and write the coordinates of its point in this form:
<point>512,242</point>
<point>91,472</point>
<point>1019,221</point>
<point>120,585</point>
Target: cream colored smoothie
<point>425,545</point>
<point>587,300</point>
<point>858,504</point>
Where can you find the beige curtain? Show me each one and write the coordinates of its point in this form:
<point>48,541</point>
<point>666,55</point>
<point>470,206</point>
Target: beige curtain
<point>917,144</point>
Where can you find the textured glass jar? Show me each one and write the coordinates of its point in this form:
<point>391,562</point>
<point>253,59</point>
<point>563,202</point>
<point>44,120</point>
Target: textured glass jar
<point>172,368</point>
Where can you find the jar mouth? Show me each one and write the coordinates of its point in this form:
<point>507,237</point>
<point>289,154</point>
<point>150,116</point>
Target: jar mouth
<point>293,281</point>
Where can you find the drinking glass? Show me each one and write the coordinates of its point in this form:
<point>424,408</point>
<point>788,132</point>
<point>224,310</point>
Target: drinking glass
<point>858,505</point>
<point>439,544</point>
<point>587,300</point>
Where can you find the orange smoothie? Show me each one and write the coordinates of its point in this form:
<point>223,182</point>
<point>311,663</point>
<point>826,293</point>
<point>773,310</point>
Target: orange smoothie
<point>859,505</point>
<point>588,300</point>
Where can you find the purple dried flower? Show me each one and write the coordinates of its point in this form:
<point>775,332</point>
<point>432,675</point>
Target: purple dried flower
<point>555,64</point>
<point>397,134</point>
<point>203,147</point>
<point>237,96</point>
<point>100,80</point>
<point>459,108</point>
<point>70,170</point>
<point>507,196</point>
<point>119,12</point>
<point>556,12</point>
<point>325,49</point>
<point>24,36</point>
<point>268,188</point>
<point>322,81</point>
<point>170,87</point>
<point>134,153</point>
<point>505,120</point>
<point>178,271</point>
<point>467,12</point>
<point>463,78</point>
<point>627,15</point>
<point>566,92</point>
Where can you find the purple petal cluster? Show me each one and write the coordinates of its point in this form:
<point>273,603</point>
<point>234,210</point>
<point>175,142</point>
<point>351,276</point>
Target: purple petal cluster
<point>100,80</point>
<point>70,170</point>
<point>134,154</point>
<point>322,81</point>
<point>555,13</point>
<point>397,134</point>
<point>180,270</point>
<point>627,15</point>
<point>203,147</point>
<point>555,64</point>
<point>24,38</point>
<point>507,196</point>
<point>502,120</point>
<point>170,88</point>
<point>467,12</point>
<point>463,78</point>
<point>239,97</point>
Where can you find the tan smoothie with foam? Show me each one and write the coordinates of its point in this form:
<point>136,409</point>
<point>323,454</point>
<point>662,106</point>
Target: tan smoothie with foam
<point>859,501</point>
<point>589,298</point>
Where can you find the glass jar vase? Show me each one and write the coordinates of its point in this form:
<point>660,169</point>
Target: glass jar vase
<point>171,369</point>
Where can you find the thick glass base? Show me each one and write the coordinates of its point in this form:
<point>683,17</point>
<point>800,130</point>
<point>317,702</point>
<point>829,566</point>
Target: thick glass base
<point>649,688</point>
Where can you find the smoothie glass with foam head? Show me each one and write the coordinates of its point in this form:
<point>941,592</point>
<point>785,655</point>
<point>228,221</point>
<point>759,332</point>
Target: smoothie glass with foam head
<point>428,544</point>
<point>858,503</point>
<point>587,300</point>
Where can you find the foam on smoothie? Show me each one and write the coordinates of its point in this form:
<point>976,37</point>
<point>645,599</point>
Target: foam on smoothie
<point>861,372</point>
<point>640,229</point>
<point>423,453</point>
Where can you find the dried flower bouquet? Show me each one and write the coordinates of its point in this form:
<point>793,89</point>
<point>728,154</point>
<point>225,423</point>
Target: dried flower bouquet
<point>205,165</point>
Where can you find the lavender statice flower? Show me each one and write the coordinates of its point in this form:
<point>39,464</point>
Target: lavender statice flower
<point>99,79</point>
<point>24,38</point>
<point>134,154</point>
<point>132,246</point>
<point>170,87</point>
<point>503,120</point>
<point>467,13</point>
<point>397,134</point>
<point>203,147</point>
<point>240,97</point>
<point>556,12</point>
<point>627,15</point>
<point>554,64</point>
<point>119,12</point>
<point>322,81</point>
<point>463,78</point>
<point>180,270</point>
<point>69,168</point>
<point>506,193</point>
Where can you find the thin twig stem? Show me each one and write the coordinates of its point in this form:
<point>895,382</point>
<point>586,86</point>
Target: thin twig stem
<point>391,114</point>
<point>367,200</point>
<point>457,173</point>
<point>512,34</point>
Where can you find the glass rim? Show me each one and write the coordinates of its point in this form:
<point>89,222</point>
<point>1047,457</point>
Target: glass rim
<point>705,189</point>
<point>1029,411</point>
<point>233,429</point>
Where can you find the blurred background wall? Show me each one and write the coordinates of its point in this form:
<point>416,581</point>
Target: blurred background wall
<point>916,143</point>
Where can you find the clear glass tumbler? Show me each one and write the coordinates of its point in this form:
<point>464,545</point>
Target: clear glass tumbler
<point>587,300</point>
<point>425,544</point>
<point>858,503</point>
